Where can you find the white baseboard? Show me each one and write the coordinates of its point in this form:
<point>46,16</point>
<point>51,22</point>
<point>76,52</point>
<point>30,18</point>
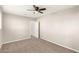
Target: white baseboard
<point>64,46</point>
<point>16,40</point>
<point>34,37</point>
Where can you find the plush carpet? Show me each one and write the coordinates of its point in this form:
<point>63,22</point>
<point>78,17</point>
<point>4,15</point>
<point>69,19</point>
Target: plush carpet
<point>33,46</point>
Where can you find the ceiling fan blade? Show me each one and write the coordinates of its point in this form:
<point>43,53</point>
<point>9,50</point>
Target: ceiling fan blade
<point>42,9</point>
<point>40,12</point>
<point>34,6</point>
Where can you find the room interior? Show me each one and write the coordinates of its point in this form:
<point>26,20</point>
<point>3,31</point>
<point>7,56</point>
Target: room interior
<point>39,28</point>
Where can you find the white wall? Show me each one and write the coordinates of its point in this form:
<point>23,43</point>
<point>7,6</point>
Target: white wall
<point>0,19</point>
<point>61,28</point>
<point>15,28</point>
<point>34,28</point>
<point>0,26</point>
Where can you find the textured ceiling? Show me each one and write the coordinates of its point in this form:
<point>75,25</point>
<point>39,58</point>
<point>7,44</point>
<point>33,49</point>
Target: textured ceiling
<point>22,10</point>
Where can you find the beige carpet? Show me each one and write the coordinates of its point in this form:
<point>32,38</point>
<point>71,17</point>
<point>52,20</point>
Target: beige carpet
<point>33,46</point>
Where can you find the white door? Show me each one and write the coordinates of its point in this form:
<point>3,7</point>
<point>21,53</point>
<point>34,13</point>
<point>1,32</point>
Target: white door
<point>35,29</point>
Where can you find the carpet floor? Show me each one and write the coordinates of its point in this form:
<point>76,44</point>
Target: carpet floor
<point>33,46</point>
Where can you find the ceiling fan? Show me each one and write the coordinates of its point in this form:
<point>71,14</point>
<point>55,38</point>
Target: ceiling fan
<point>38,9</point>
